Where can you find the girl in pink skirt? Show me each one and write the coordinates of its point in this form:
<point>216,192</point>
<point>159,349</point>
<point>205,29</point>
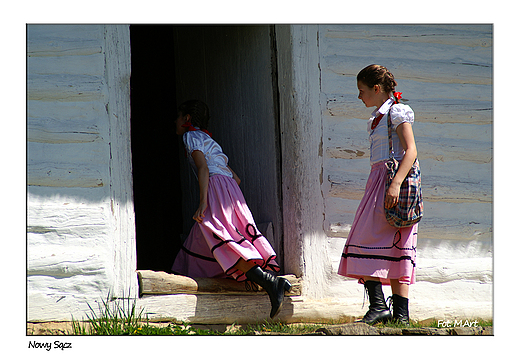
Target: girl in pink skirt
<point>224,241</point>
<point>376,253</point>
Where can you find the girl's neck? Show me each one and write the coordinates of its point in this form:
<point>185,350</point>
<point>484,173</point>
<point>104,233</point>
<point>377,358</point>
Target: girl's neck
<point>384,98</point>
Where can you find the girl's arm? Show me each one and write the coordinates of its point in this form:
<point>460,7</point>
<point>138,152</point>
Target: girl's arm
<point>237,179</point>
<point>405,133</point>
<point>203,175</point>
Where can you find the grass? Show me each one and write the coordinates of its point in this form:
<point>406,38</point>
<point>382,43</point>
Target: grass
<point>120,317</point>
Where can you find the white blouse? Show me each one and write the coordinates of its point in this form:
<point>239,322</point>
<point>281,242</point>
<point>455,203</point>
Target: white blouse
<point>378,137</point>
<point>217,161</point>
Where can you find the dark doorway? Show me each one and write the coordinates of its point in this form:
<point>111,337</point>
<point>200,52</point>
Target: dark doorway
<point>232,69</point>
<point>155,149</point>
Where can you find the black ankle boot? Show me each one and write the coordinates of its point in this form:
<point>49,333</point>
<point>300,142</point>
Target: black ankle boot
<point>378,311</point>
<point>400,309</point>
<point>275,287</point>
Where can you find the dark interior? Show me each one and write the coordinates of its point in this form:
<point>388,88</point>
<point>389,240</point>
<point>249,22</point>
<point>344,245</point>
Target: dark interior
<point>155,147</point>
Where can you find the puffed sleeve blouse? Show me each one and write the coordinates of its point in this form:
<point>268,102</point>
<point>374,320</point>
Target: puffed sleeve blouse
<point>217,161</point>
<point>399,113</point>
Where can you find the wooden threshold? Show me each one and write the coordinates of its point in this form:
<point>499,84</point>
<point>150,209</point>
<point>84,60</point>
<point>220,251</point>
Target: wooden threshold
<point>162,283</point>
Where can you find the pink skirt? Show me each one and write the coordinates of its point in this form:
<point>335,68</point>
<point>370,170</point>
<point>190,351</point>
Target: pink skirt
<point>373,247</point>
<point>227,234</point>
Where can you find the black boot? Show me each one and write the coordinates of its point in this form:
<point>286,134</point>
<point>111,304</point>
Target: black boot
<point>400,309</point>
<point>378,311</point>
<point>275,287</point>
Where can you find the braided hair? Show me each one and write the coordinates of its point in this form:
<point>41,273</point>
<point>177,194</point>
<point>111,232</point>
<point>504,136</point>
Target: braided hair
<point>198,110</point>
<point>374,75</point>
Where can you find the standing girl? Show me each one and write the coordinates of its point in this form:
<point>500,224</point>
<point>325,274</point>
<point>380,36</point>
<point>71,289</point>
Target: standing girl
<point>377,253</point>
<point>224,241</point>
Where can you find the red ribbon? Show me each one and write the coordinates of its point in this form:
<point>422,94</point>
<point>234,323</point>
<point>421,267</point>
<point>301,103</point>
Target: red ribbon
<point>193,128</point>
<point>375,122</point>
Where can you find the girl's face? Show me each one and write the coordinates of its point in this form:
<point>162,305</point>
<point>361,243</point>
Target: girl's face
<point>368,95</point>
<point>181,120</point>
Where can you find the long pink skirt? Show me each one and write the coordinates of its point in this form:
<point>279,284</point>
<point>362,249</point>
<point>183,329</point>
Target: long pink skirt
<point>227,234</point>
<point>373,247</point>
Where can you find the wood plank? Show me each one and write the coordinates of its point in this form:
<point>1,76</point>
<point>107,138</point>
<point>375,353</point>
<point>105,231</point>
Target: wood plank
<point>442,221</point>
<point>93,153</point>
<point>417,70</point>
<point>337,131</point>
<point>119,157</point>
<point>394,48</point>
<point>86,113</point>
<point>65,175</point>
<point>161,283</point>
<point>65,87</point>
<point>88,64</point>
<point>440,149</point>
<point>52,131</point>
<point>459,35</point>
<point>434,189</point>
<point>467,269</point>
<point>437,108</point>
<point>66,223</point>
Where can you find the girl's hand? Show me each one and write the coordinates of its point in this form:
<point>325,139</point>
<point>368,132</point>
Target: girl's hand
<point>199,214</point>
<point>392,195</point>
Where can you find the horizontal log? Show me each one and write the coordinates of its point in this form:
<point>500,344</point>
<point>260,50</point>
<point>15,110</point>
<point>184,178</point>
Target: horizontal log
<point>52,131</point>
<point>88,64</point>
<point>434,188</point>
<point>435,108</point>
<point>65,87</point>
<point>416,70</point>
<point>432,170</point>
<point>450,227</point>
<point>459,35</point>
<point>66,224</point>
<point>93,154</point>
<point>66,263</point>
<point>65,175</point>
<point>87,113</point>
<point>56,34</point>
<point>440,149</point>
<point>53,48</point>
<point>155,283</point>
<point>438,271</point>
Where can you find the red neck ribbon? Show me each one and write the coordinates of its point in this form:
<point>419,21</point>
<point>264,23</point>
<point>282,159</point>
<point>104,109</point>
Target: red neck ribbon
<point>193,128</point>
<point>376,121</point>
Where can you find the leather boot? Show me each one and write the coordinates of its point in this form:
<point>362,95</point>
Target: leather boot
<point>400,310</point>
<point>378,311</point>
<point>275,287</point>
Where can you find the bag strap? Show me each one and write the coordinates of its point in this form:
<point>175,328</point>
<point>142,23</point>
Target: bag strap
<point>390,143</point>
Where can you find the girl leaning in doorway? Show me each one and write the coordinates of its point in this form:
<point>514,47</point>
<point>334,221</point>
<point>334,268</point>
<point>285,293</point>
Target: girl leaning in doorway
<point>375,252</point>
<point>224,241</point>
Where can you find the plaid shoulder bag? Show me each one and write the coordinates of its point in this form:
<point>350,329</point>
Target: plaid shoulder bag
<point>409,208</point>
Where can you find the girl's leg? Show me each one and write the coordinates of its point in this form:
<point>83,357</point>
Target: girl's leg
<point>378,311</point>
<point>399,288</point>
<point>244,266</point>
<point>400,301</point>
<point>273,285</point>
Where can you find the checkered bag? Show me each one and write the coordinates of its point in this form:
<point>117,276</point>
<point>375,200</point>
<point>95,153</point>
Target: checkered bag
<point>409,208</point>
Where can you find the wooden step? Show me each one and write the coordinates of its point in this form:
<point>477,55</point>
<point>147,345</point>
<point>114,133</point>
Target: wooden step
<point>162,283</point>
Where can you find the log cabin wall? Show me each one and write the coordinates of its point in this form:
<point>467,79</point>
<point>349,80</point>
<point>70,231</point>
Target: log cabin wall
<point>80,223</point>
<point>81,236</point>
<point>445,75</point>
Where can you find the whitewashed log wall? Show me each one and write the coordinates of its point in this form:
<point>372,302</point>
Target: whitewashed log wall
<point>80,228</point>
<point>80,237</point>
<point>445,75</point>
